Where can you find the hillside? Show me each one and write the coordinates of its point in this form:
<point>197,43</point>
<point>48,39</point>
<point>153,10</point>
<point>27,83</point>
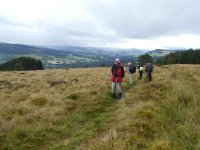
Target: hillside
<point>52,58</point>
<point>77,111</point>
<point>159,53</point>
<point>67,56</point>
<point>73,56</point>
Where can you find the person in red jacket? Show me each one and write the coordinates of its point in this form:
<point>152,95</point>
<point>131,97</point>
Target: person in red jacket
<point>117,75</point>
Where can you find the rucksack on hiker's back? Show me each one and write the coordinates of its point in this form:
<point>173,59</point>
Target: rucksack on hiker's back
<point>141,69</point>
<point>132,69</point>
<point>123,73</point>
<point>150,69</point>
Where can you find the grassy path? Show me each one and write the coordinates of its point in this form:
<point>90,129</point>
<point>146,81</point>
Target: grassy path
<point>121,112</point>
<point>99,125</point>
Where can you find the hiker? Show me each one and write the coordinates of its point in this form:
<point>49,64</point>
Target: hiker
<point>117,75</point>
<point>149,71</point>
<point>141,69</point>
<point>131,69</point>
<point>146,69</point>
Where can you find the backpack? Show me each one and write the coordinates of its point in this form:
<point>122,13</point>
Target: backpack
<point>150,68</point>
<point>132,69</point>
<point>141,68</point>
<point>123,74</point>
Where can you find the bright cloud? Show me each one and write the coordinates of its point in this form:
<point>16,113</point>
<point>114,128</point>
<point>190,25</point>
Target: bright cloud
<point>106,23</point>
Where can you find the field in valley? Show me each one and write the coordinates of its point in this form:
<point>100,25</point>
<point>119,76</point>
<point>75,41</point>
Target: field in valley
<point>79,113</point>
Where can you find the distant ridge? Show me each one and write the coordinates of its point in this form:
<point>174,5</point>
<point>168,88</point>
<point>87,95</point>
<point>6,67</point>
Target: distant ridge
<point>74,56</point>
<point>68,56</point>
<point>159,52</point>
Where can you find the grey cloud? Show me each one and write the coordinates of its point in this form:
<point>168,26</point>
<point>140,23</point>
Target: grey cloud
<point>111,21</point>
<point>147,19</point>
<point>79,32</point>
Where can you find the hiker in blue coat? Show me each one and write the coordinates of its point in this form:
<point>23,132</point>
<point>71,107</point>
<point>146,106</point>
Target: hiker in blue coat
<point>131,69</point>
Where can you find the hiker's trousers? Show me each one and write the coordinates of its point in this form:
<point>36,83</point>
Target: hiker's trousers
<point>149,76</point>
<point>130,76</point>
<point>116,85</point>
<point>140,72</point>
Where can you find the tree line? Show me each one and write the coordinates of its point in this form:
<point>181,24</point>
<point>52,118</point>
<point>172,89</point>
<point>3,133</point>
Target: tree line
<point>181,57</point>
<point>146,58</point>
<point>22,64</point>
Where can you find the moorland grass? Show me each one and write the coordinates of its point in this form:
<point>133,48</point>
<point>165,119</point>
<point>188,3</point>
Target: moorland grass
<point>80,114</point>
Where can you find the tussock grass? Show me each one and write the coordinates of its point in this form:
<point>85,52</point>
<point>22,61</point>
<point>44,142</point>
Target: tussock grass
<point>79,113</point>
<point>160,145</point>
<point>39,101</point>
<point>5,84</point>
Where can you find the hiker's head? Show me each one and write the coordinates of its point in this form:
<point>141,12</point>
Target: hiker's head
<point>129,63</point>
<point>117,61</point>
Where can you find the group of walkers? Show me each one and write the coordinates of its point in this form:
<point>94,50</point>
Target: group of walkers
<point>118,74</point>
<point>148,68</point>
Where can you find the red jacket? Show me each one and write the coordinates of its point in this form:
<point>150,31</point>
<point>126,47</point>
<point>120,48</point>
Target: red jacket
<point>117,73</point>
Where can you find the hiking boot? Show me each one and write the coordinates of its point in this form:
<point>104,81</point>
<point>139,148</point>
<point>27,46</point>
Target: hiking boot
<point>120,95</point>
<point>113,95</point>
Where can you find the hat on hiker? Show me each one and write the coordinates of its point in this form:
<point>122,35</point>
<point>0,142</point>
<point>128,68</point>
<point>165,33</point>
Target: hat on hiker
<point>117,60</point>
<point>129,63</point>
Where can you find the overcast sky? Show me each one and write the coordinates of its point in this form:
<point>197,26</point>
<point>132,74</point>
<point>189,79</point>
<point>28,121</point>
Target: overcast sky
<point>147,24</point>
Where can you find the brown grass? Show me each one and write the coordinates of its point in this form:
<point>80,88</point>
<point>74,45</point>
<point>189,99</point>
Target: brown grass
<point>39,101</point>
<point>79,113</point>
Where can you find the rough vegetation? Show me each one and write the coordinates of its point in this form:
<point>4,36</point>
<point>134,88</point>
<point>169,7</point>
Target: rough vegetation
<point>181,57</point>
<point>80,114</point>
<point>22,64</point>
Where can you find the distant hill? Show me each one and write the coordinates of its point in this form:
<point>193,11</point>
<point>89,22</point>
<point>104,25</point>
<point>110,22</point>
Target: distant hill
<point>10,51</point>
<point>59,56</point>
<point>53,58</point>
<point>159,52</point>
<point>100,51</point>
<point>67,56</point>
